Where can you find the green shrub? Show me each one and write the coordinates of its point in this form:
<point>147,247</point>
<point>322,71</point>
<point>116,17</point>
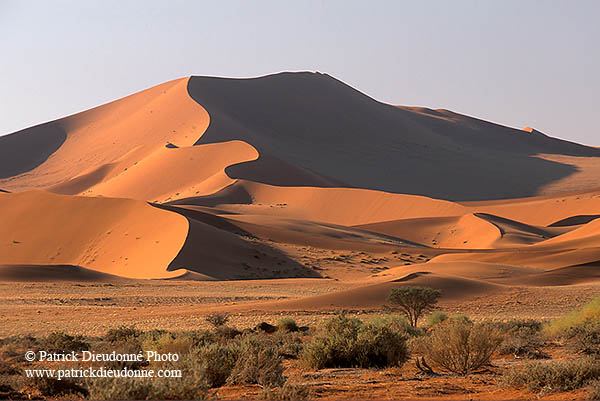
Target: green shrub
<point>564,327</point>
<point>413,301</point>
<point>169,343</point>
<point>287,324</point>
<point>397,323</point>
<point>62,342</point>
<point>435,318</point>
<point>347,342</point>
<point>258,362</point>
<point>289,344</point>
<point>459,347</point>
<point>548,377</point>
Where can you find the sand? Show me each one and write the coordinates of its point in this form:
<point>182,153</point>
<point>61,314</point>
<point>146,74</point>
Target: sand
<point>296,176</point>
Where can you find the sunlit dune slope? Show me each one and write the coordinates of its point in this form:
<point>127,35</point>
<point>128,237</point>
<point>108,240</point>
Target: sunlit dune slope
<point>102,142</point>
<point>127,238</point>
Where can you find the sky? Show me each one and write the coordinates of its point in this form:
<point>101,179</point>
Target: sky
<point>518,63</point>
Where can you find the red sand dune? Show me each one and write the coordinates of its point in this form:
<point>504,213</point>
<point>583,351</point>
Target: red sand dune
<point>243,173</point>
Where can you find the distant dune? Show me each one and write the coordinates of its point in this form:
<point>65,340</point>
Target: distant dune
<point>295,175</point>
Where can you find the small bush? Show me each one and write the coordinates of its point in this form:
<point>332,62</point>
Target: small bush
<point>594,390</point>
<point>586,339</point>
<point>522,339</point>
<point>397,323</point>
<point>548,377</point>
<point>347,342</point>
<point>414,301</point>
<point>213,363</point>
<point>289,344</point>
<point>146,389</point>
<point>258,362</point>
<point>51,387</point>
<point>435,318</point>
<point>564,327</point>
<point>287,324</point>
<point>62,342</point>
<point>226,332</point>
<point>460,347</point>
<point>291,392</point>
<point>169,343</point>
<point>122,333</point>
<point>217,319</point>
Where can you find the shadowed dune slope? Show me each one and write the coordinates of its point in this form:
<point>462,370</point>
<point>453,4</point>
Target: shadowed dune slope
<point>318,123</point>
<point>54,273</point>
<point>122,237</point>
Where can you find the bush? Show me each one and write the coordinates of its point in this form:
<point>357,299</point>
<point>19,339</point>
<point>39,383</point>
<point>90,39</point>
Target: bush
<point>169,343</point>
<point>564,327</point>
<point>51,387</point>
<point>62,342</point>
<point>435,318</point>
<point>217,319</point>
<point>213,363</point>
<point>586,339</point>
<point>146,389</point>
<point>289,344</point>
<point>460,347</point>
<point>548,377</point>
<point>258,362</point>
<point>347,342</point>
<point>288,391</point>
<point>287,324</point>
<point>121,333</point>
<point>397,323</point>
<point>594,390</point>
<point>226,332</point>
<point>521,339</point>
<point>414,301</point>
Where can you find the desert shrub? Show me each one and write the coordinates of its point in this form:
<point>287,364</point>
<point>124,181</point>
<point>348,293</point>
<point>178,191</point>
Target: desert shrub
<point>130,346</point>
<point>288,391</point>
<point>548,377</point>
<point>217,319</point>
<point>459,347</point>
<point>146,389</point>
<point>585,339</point>
<point>289,344</point>
<point>213,363</point>
<point>51,387</point>
<point>201,338</point>
<point>122,333</point>
<point>62,342</point>
<point>347,342</point>
<point>169,342</point>
<point>8,369</point>
<point>258,362</point>
<point>521,338</point>
<point>564,327</point>
<point>594,390</point>
<point>435,318</point>
<point>287,324</point>
<point>226,332</point>
<point>413,301</point>
<point>397,323</point>
<point>461,318</point>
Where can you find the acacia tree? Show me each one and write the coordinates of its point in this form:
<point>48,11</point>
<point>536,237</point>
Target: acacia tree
<point>413,301</point>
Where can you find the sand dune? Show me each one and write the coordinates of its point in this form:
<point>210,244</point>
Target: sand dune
<point>122,132</point>
<point>127,238</point>
<point>271,177</point>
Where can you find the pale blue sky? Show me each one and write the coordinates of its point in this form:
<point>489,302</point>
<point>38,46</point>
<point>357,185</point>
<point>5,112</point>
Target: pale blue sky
<point>514,62</point>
